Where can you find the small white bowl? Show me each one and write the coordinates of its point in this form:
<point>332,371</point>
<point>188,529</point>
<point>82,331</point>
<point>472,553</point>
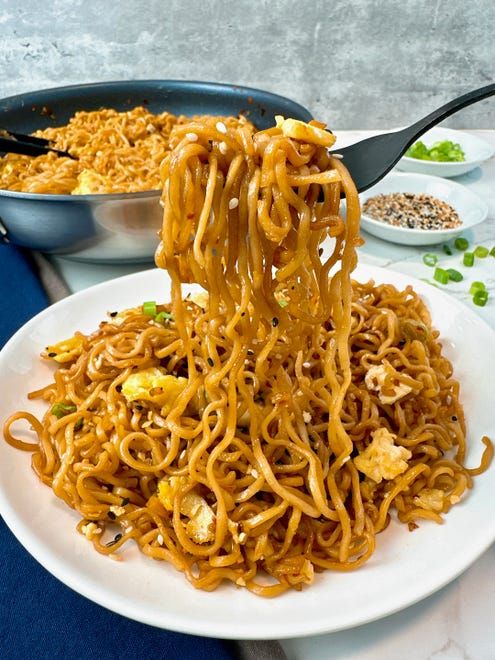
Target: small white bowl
<point>471,209</point>
<point>475,149</point>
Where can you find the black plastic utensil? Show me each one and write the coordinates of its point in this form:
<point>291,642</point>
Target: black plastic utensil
<point>28,145</point>
<point>369,161</point>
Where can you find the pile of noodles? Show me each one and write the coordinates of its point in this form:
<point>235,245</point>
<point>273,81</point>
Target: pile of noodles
<point>115,152</point>
<point>254,458</point>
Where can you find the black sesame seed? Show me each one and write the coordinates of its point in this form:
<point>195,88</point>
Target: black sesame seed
<point>118,388</point>
<point>454,418</point>
<point>52,355</point>
<point>250,351</point>
<point>112,515</point>
<point>114,540</point>
<point>210,362</point>
<point>113,313</point>
<point>274,321</point>
<point>125,501</point>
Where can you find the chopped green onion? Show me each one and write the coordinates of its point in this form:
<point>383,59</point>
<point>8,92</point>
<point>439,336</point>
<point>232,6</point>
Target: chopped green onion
<point>492,252</point>
<point>430,259</point>
<point>149,308</point>
<point>476,286</point>
<point>481,252</point>
<point>163,316</point>
<point>480,298</point>
<point>62,409</point>
<point>455,275</point>
<point>447,249</point>
<point>283,303</point>
<point>468,259</point>
<point>441,276</point>
<point>461,243</point>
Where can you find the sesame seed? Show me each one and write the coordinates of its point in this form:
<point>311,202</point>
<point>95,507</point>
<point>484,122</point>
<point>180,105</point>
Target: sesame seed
<point>242,537</point>
<point>117,510</point>
<point>192,137</point>
<point>233,203</point>
<point>337,156</point>
<point>306,365</point>
<point>412,211</point>
<point>307,417</point>
<point>182,455</point>
<point>159,539</point>
<point>223,147</point>
<point>221,128</point>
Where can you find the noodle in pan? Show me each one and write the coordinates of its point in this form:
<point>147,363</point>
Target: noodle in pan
<point>265,429</point>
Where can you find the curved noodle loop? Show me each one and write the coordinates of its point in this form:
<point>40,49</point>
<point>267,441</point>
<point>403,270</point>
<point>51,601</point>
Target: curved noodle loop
<point>263,429</point>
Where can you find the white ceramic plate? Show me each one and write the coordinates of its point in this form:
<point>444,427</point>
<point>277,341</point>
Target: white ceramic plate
<point>405,567</point>
<point>475,149</point>
<point>470,208</point>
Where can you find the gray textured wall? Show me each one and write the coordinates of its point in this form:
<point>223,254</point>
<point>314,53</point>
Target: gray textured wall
<point>354,63</point>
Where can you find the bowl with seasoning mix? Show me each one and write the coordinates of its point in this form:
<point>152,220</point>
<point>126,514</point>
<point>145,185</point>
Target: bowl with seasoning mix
<point>445,152</point>
<point>417,209</point>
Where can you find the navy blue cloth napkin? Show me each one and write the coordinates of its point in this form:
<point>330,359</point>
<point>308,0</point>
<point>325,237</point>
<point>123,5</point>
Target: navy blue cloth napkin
<point>39,616</point>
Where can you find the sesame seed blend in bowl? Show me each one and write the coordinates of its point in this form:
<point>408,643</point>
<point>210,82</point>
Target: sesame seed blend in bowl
<point>412,211</point>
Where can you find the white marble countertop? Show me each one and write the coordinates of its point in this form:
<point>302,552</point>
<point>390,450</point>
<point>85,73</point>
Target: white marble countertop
<point>457,622</point>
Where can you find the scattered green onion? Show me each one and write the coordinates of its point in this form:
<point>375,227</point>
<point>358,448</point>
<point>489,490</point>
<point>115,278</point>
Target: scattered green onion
<point>475,287</point>
<point>149,308</point>
<point>441,276</point>
<point>430,259</point>
<point>62,409</point>
<point>480,298</point>
<point>443,151</point>
<point>283,303</point>
<point>492,252</point>
<point>468,259</point>
<point>447,249</point>
<point>481,252</point>
<point>163,316</point>
<point>461,243</point>
<point>455,275</point>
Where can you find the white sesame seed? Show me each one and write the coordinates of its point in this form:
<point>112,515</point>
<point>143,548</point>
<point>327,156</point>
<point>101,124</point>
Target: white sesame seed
<point>221,128</point>
<point>233,203</point>
<point>182,454</point>
<point>192,137</point>
<point>307,417</point>
<point>306,365</point>
<point>117,510</point>
<point>337,156</point>
<point>242,537</point>
<point>159,539</point>
<point>223,147</point>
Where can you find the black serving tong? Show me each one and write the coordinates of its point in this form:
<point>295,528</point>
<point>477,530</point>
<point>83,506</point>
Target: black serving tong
<point>370,160</point>
<point>28,145</point>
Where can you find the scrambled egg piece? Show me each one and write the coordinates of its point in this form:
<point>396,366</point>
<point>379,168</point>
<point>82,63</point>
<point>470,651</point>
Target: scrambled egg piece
<point>201,299</point>
<point>375,380</point>
<point>382,459</point>
<point>201,523</point>
<point>430,499</point>
<point>88,183</point>
<point>299,130</point>
<point>66,350</point>
<point>154,385</point>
